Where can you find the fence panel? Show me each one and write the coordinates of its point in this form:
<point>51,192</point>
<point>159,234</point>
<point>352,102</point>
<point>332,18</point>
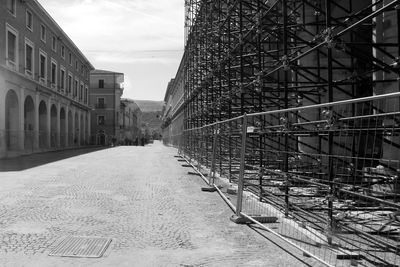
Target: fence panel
<point>329,172</point>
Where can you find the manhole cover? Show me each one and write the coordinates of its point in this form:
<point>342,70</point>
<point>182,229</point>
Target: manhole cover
<point>81,247</point>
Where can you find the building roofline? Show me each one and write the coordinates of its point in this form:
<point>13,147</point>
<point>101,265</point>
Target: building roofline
<point>97,71</point>
<point>62,31</point>
<point>169,88</point>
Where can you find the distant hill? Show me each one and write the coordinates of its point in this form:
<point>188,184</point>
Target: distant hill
<point>151,115</point>
<point>149,105</point>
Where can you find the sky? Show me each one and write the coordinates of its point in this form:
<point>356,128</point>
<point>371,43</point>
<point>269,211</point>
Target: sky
<point>143,39</point>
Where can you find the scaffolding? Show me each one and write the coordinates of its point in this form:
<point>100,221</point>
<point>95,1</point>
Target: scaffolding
<point>317,82</point>
<point>253,56</point>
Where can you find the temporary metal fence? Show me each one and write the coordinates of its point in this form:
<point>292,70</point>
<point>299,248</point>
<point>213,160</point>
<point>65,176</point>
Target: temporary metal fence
<point>329,173</point>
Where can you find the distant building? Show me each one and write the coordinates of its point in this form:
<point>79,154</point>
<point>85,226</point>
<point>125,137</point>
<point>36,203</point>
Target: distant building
<point>173,123</point>
<point>130,122</point>
<point>44,82</point>
<point>106,89</point>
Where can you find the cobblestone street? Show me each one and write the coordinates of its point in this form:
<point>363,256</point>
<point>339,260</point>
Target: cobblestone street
<point>142,198</point>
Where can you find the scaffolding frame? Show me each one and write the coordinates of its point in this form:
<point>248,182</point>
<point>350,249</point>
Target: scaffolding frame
<point>253,56</point>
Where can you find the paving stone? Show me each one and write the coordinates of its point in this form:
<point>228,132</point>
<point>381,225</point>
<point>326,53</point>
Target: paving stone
<point>140,197</point>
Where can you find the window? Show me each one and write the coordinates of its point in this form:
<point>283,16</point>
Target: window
<point>29,20</point>
<point>43,33</point>
<point>11,47</point>
<point>76,83</point>
<point>101,83</point>
<point>11,6</point>
<point>62,78</point>
<point>29,58</point>
<point>76,65</point>
<point>100,120</point>
<point>42,67</point>
<point>100,102</point>
<point>86,95</point>
<point>70,59</point>
<point>54,43</point>
<point>53,73</point>
<point>81,92</point>
<point>63,51</point>
<point>69,88</point>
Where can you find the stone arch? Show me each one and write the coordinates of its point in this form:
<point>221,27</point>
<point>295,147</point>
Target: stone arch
<point>70,129</point>
<point>53,126</point>
<point>63,128</point>
<point>12,120</point>
<point>29,122</point>
<point>43,134</point>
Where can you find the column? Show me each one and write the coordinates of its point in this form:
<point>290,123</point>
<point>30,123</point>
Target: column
<point>73,133</point>
<point>2,120</point>
<point>66,127</point>
<point>36,123</point>
<point>21,128</point>
<point>48,130</point>
<point>77,130</point>
<point>89,128</point>
<point>84,128</point>
<point>58,133</point>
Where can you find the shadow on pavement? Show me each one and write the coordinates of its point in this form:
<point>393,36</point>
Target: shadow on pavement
<point>30,161</point>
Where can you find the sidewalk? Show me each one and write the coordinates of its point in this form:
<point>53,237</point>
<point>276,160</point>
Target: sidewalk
<point>141,198</point>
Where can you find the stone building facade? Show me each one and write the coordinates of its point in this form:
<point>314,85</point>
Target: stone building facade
<point>44,83</point>
<point>130,122</point>
<point>106,89</point>
<point>173,115</point>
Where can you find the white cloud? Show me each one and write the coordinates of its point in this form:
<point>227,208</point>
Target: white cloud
<point>159,57</point>
<point>117,33</point>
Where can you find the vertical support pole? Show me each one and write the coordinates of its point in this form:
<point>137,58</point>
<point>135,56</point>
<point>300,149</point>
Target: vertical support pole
<point>200,149</point>
<point>229,67</point>
<point>398,41</point>
<point>242,166</point>
<point>330,135</point>
<point>230,151</point>
<point>260,97</point>
<point>241,50</point>
<point>178,142</point>
<point>213,156</point>
<point>260,181</point>
<point>286,105</point>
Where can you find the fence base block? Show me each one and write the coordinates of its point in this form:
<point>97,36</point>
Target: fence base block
<point>208,189</point>
<point>261,219</point>
<point>186,165</point>
<point>181,160</point>
<point>348,255</point>
<point>211,189</point>
<point>231,191</point>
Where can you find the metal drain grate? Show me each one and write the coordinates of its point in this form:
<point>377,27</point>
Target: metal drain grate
<point>81,247</point>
